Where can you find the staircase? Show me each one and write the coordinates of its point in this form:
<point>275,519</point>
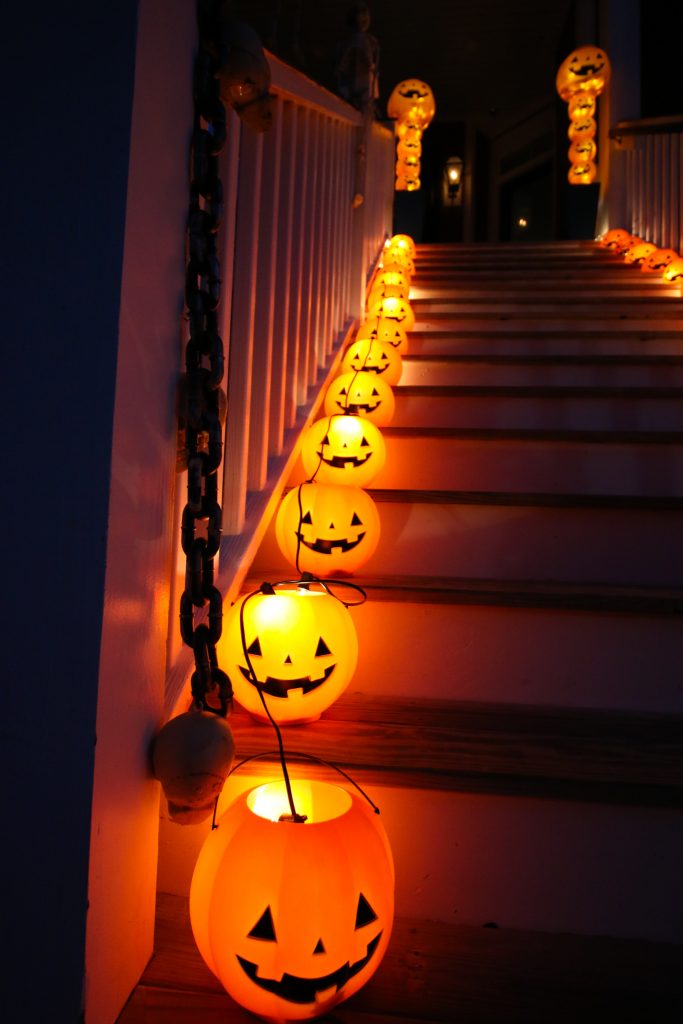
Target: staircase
<point>517,711</point>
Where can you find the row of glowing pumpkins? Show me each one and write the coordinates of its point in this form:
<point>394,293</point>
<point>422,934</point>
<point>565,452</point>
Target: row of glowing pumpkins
<point>328,525</point>
<point>649,257</point>
<point>412,106</point>
<point>580,79</point>
<point>294,916</point>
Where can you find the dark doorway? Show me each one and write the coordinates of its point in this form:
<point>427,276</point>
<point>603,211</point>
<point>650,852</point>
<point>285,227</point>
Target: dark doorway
<point>526,206</point>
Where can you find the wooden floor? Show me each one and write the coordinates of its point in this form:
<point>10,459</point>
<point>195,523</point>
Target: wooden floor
<point>439,972</point>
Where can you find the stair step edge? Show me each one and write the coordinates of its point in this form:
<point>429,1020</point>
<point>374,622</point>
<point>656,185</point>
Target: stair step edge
<point>592,597</point>
<point>523,434</point>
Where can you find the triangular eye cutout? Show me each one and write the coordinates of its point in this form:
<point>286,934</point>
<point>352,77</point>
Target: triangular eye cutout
<point>319,947</point>
<point>375,392</point>
<point>264,927</point>
<point>356,521</point>
<point>322,649</point>
<point>307,519</point>
<point>365,443</point>
<point>326,439</point>
<point>255,648</point>
<point>364,914</point>
<point>342,391</point>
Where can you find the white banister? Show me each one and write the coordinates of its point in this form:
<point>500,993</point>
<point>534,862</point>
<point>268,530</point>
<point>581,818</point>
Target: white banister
<point>646,179</point>
<point>296,254</point>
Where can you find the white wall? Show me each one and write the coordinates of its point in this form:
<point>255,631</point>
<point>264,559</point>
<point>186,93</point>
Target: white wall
<point>140,540</point>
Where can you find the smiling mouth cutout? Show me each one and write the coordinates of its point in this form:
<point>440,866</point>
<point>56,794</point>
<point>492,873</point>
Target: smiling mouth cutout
<point>275,687</point>
<point>586,69</point>
<point>305,990</point>
<point>353,408</point>
<point>342,461</point>
<point>326,547</point>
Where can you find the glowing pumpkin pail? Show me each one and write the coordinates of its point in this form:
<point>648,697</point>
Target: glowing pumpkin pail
<point>373,356</point>
<point>343,450</point>
<point>361,394</point>
<point>380,329</point>
<point>302,647</point>
<point>392,308</point>
<point>293,918</point>
<point>327,529</point>
<point>674,272</point>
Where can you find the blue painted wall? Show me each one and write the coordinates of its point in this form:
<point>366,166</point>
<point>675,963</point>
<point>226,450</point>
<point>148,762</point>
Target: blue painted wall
<point>68,81</point>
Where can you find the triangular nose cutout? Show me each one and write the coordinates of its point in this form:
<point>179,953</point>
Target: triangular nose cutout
<point>288,660</point>
<point>319,947</point>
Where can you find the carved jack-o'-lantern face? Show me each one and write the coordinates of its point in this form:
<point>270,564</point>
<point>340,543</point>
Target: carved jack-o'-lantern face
<point>294,917</point>
<point>582,174</point>
<point>640,251</point>
<point>674,272</point>
<point>403,243</point>
<point>387,331</point>
<point>582,151</point>
<point>393,259</point>
<point>585,70</point>
<point>412,99</point>
<point>302,647</point>
<point>583,129</point>
<point>343,450</point>
<point>617,240</point>
<point>336,529</point>
<point>395,309</point>
<point>408,147</point>
<point>409,166</point>
<point>408,130</point>
<point>386,291</point>
<point>361,394</point>
<point>658,261</point>
<point>394,278</point>
<point>581,106</point>
<point>373,357</point>
<point>404,184</point>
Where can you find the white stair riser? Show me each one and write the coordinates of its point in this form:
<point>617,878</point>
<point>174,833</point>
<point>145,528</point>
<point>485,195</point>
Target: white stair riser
<point>498,542</point>
<point>558,866</point>
<point>436,344</point>
<point>522,466</point>
<point>640,414</point>
<point>435,373</point>
<point>615,291</point>
<point>549,657</point>
<point>665,308</point>
<point>507,323</point>
<point>550,866</point>
<point>512,543</point>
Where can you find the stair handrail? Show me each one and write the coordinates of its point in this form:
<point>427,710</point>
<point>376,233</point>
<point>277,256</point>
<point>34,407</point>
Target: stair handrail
<point>308,206</point>
<point>646,168</point>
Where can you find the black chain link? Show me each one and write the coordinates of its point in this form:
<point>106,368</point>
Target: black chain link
<point>201,415</point>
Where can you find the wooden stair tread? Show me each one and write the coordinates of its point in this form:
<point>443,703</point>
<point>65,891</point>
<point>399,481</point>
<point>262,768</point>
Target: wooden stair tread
<point>436,972</point>
<point>594,597</point>
<point>591,596</point>
<point>529,499</point>
<point>615,757</point>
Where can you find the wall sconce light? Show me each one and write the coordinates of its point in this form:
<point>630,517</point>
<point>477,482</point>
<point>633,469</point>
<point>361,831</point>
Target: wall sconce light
<point>453,181</point>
